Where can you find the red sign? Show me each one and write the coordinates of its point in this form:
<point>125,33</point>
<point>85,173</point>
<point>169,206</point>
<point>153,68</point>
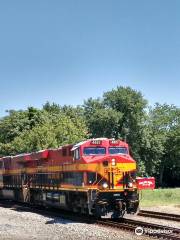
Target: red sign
<point>145,183</point>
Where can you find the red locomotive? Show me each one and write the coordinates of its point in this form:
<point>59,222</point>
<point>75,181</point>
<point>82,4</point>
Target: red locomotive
<point>97,177</point>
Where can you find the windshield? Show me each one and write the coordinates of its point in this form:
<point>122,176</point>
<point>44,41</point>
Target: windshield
<point>94,151</point>
<point>118,150</point>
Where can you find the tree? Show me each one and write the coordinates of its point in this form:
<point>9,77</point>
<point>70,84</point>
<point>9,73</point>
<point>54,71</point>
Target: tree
<point>163,125</point>
<point>131,105</point>
<point>101,121</point>
<point>120,114</point>
<point>172,156</point>
<point>13,125</point>
<point>41,129</point>
<point>52,108</point>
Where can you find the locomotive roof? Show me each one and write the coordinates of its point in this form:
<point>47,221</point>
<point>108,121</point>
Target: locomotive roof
<point>55,149</point>
<point>93,139</point>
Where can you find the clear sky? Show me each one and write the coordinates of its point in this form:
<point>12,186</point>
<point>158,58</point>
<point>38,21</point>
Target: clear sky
<point>65,51</point>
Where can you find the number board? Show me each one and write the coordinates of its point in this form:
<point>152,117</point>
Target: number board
<point>96,142</point>
<point>114,142</point>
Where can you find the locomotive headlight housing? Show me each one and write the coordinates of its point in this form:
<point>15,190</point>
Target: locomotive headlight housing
<point>130,184</point>
<point>105,185</point>
<point>113,162</point>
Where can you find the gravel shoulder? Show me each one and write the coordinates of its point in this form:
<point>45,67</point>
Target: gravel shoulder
<point>20,225</point>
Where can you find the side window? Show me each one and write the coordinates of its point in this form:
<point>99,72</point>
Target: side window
<point>76,154</point>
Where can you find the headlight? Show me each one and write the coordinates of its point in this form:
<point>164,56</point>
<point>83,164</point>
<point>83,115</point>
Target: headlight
<point>113,162</point>
<point>130,184</point>
<point>105,185</point>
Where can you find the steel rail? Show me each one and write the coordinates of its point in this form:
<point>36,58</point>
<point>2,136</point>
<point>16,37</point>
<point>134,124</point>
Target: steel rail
<point>159,215</point>
<point>150,229</point>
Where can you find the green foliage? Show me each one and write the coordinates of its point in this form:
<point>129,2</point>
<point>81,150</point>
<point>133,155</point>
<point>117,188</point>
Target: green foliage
<point>33,129</point>
<point>52,108</point>
<point>120,114</point>
<point>102,122</point>
<point>162,158</point>
<point>11,126</point>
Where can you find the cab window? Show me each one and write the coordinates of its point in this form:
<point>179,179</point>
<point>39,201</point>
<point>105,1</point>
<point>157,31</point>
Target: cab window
<point>94,151</point>
<point>118,150</point>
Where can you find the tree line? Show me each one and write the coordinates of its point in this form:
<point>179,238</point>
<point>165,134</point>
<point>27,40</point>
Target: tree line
<point>153,133</point>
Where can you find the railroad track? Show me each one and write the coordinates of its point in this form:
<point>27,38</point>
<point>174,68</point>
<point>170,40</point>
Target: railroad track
<point>154,230</point>
<point>159,215</point>
<point>162,232</point>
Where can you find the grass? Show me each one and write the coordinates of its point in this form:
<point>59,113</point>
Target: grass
<point>160,197</point>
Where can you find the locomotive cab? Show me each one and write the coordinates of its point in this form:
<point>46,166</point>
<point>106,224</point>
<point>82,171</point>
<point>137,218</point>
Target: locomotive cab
<point>111,173</point>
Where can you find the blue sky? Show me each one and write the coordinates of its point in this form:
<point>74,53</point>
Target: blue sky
<point>66,51</point>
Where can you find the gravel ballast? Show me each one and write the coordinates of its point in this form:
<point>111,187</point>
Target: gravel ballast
<point>22,225</point>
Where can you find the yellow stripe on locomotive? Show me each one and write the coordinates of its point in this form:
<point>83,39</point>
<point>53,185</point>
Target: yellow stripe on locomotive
<point>96,176</point>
